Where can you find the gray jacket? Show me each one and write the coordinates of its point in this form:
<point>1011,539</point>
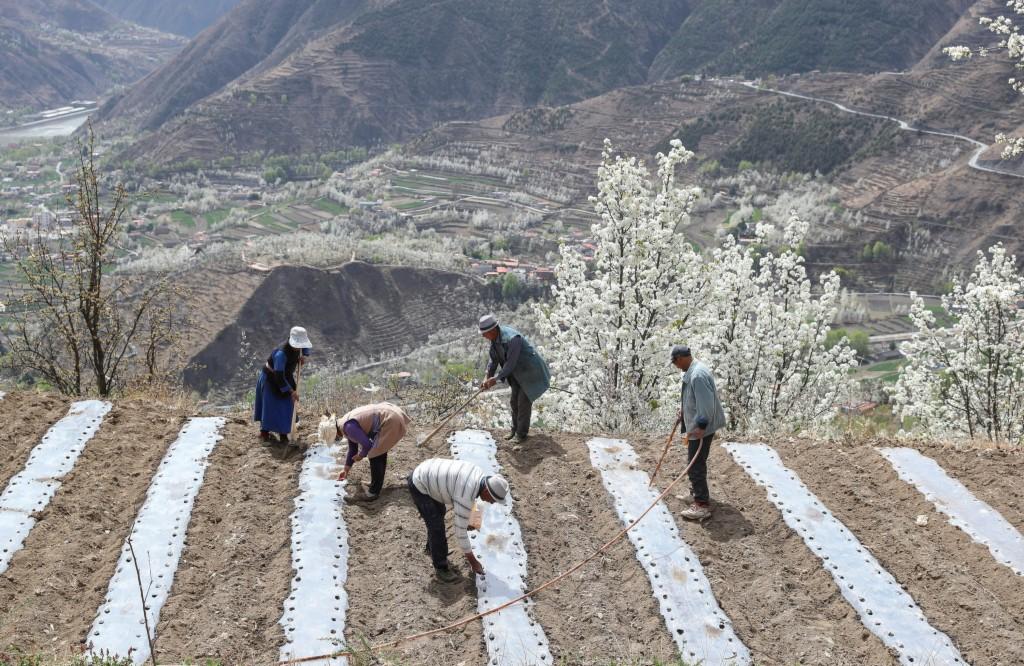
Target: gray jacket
<point>701,407</point>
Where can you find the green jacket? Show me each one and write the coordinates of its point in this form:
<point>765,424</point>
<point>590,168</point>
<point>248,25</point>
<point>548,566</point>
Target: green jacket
<point>529,369</point>
<point>701,407</point>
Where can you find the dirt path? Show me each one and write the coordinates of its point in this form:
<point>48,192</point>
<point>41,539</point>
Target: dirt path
<point>27,416</point>
<point>961,589</point>
<point>50,594</point>
<point>782,603</point>
<point>391,589</point>
<point>606,611</point>
<point>236,570</point>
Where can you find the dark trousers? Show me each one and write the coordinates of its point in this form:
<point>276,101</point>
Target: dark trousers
<point>699,472</point>
<point>432,513</point>
<point>522,409</point>
<point>378,466</point>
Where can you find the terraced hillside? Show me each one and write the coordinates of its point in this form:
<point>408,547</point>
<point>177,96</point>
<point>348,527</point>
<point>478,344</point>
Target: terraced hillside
<point>355,313</point>
<point>761,580</point>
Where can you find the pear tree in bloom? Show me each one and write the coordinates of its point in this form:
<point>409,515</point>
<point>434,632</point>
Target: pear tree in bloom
<point>762,331</point>
<point>1011,40</point>
<point>609,329</point>
<point>967,380</point>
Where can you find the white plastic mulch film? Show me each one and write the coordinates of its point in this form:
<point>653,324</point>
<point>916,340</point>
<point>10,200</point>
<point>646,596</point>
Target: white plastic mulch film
<point>979,520</point>
<point>884,607</point>
<point>314,612</point>
<point>702,632</point>
<point>158,537</point>
<point>32,489</point>
<point>512,635</point>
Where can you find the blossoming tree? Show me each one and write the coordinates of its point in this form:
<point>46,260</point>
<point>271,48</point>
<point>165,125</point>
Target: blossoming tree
<point>608,329</point>
<point>968,379</point>
<point>1011,40</point>
<point>763,332</point>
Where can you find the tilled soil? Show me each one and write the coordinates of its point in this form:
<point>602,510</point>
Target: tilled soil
<point>962,590</point>
<point>391,588</point>
<point>994,476</point>
<point>606,611</point>
<point>51,592</point>
<point>27,416</point>
<point>783,605</point>
<point>235,571</point>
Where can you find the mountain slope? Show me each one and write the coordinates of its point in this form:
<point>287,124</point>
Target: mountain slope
<point>385,72</point>
<point>756,37</point>
<point>54,52</point>
<point>181,17</point>
<point>314,75</point>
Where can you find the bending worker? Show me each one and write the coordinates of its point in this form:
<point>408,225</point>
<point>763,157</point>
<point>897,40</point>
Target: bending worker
<point>371,431</point>
<point>437,483</point>
<point>522,367</point>
<point>702,415</point>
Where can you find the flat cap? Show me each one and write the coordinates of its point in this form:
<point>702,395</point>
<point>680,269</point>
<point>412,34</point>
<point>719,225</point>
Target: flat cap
<point>680,351</point>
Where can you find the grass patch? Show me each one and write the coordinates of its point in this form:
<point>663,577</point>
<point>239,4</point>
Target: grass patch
<point>183,219</point>
<point>410,205</point>
<point>887,366</point>
<point>328,206</point>
<point>942,318</point>
<point>216,216</point>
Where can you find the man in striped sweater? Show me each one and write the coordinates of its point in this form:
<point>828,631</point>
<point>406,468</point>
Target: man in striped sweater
<point>437,483</point>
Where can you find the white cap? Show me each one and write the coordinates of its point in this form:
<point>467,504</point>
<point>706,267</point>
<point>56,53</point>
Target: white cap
<point>497,486</point>
<point>299,339</point>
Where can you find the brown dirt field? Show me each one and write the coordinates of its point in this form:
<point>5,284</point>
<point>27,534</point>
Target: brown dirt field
<point>401,597</point>
<point>50,594</point>
<point>984,474</point>
<point>962,590</point>
<point>20,435</point>
<point>605,611</point>
<point>783,605</point>
<point>236,570</point>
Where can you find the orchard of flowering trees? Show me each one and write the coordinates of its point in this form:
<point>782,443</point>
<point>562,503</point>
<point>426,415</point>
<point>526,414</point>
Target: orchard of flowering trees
<point>748,311</point>
<point>967,380</point>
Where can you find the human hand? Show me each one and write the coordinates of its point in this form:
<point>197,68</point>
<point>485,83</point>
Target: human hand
<point>488,383</point>
<point>357,457</point>
<point>474,564</point>
<point>295,396</point>
<point>696,433</point>
<point>344,474</point>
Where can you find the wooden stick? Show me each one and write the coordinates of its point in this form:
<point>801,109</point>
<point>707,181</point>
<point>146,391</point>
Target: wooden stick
<point>450,417</point>
<point>665,452</point>
<point>295,405</point>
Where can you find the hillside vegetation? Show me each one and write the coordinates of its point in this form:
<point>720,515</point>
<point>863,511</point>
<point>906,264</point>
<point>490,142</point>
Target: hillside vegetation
<point>181,17</point>
<point>312,75</point>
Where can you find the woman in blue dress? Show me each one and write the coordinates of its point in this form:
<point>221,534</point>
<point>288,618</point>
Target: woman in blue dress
<point>276,389</point>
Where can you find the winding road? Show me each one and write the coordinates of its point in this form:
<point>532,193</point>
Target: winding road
<point>980,147</point>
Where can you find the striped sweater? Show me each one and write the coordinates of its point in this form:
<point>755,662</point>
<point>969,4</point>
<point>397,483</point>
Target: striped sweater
<point>452,482</point>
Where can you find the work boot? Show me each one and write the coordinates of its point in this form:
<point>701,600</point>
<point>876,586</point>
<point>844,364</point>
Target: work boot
<point>697,511</point>
<point>509,437</point>
<point>446,575</point>
<point>264,436</point>
<point>521,438</point>
<point>364,497</point>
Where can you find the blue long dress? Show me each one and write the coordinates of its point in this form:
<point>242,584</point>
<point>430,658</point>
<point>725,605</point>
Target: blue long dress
<point>273,408</point>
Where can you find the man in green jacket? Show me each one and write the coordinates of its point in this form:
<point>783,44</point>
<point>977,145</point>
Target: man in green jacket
<point>702,415</point>
<point>521,366</point>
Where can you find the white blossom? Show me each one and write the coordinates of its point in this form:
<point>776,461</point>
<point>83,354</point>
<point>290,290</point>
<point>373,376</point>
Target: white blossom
<point>967,379</point>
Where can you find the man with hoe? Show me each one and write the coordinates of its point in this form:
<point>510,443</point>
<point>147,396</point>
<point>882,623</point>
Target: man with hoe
<point>701,415</point>
<point>522,367</point>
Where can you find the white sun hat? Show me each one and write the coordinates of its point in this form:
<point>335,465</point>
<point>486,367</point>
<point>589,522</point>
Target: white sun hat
<point>299,339</point>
